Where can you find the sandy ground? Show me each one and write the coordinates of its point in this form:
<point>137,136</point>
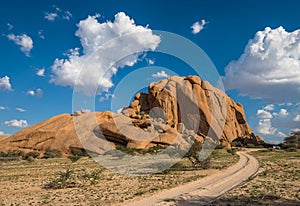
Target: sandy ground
<point>22,182</point>
<point>276,184</point>
<point>207,189</point>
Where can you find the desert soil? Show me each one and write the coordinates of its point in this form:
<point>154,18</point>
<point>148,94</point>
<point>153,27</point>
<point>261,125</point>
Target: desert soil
<point>205,190</point>
<point>277,183</point>
<point>22,182</point>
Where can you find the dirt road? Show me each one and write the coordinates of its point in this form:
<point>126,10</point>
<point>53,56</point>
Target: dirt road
<point>207,189</point>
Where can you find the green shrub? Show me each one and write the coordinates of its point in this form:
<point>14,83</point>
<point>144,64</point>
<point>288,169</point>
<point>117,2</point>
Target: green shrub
<point>250,146</point>
<point>52,153</point>
<point>78,151</point>
<point>205,164</point>
<point>74,178</point>
<point>232,151</point>
<point>34,155</point>
<point>193,154</point>
<point>30,159</point>
<point>8,159</point>
<point>62,180</point>
<point>74,158</point>
<point>219,146</point>
<point>130,151</point>
<point>154,149</point>
<point>291,149</point>
<point>11,155</point>
<point>3,154</point>
<point>15,153</point>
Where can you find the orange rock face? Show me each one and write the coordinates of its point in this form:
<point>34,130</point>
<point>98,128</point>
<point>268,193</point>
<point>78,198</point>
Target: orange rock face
<point>196,103</point>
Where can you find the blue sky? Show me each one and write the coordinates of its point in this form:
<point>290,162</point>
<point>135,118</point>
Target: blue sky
<point>254,45</point>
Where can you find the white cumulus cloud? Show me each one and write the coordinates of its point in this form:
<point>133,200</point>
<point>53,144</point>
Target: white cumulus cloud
<point>105,97</point>
<point>16,123</point>
<point>283,113</point>
<point>30,92</point>
<point>161,74</point>
<point>297,118</point>
<point>269,68</point>
<point>50,16</point>
<point>40,72</point>
<point>37,93</point>
<point>269,107</point>
<point>67,15</point>
<point>2,108</point>
<point>262,114</point>
<point>264,127</point>
<point>107,47</point>
<point>5,84</point>
<point>151,61</point>
<point>24,41</point>
<point>197,27</point>
<point>58,13</point>
<point>3,134</point>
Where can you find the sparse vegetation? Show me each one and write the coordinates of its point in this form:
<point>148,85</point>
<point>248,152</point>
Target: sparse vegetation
<point>52,153</point>
<point>277,182</point>
<point>135,151</point>
<point>83,184</point>
<point>33,155</point>
<point>14,155</point>
<point>193,154</point>
<point>292,142</point>
<point>74,178</point>
<point>232,151</point>
<point>74,158</point>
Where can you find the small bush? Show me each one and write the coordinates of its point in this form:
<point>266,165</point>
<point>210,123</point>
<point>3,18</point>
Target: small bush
<point>34,155</point>
<point>232,151</point>
<point>219,146</point>
<point>74,158</point>
<point>205,164</point>
<point>30,159</point>
<point>3,154</point>
<point>130,151</point>
<point>154,149</point>
<point>250,146</point>
<point>52,153</point>
<point>8,159</point>
<point>62,180</point>
<point>91,177</point>
<point>193,153</point>
<point>15,153</point>
<point>78,152</point>
<point>291,149</point>
<point>74,178</point>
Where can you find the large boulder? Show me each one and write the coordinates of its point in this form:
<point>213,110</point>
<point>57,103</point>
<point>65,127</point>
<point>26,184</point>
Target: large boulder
<point>195,104</point>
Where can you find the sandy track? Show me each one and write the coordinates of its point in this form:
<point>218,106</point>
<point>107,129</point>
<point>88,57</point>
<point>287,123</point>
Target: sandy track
<point>207,189</point>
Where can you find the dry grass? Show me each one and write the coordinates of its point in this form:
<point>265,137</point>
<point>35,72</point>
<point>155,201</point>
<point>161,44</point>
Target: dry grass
<point>22,183</point>
<point>277,183</point>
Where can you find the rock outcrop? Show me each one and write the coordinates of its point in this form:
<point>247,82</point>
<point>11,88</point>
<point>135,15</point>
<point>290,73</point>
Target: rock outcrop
<point>57,132</point>
<point>175,111</point>
<point>194,104</point>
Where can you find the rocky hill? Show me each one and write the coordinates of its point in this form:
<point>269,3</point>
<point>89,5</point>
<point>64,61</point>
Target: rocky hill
<point>174,111</point>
